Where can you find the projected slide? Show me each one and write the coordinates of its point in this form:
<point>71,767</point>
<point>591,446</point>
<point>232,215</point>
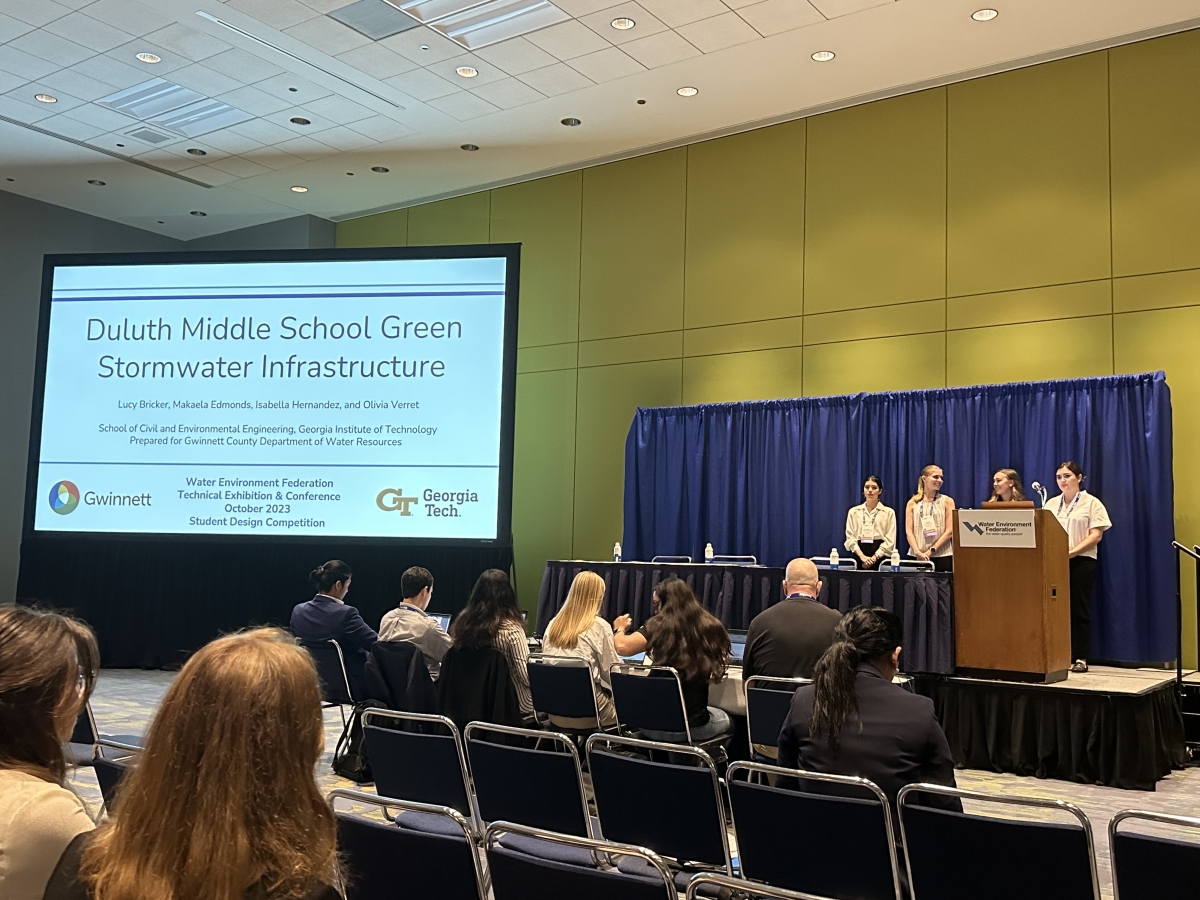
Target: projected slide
<point>339,398</point>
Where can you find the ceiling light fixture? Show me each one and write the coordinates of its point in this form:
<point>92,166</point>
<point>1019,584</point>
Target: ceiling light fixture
<point>300,120</point>
<point>196,212</point>
<point>45,98</point>
<point>824,55</point>
<point>97,182</point>
<point>467,71</point>
<point>571,122</point>
<point>424,46</point>
<point>299,189</point>
<point>380,169</point>
<point>469,147</point>
<point>196,151</point>
<point>293,90</point>
<point>688,91</point>
<point>984,15</point>
<point>641,103</point>
<point>149,58</point>
<point>622,23</point>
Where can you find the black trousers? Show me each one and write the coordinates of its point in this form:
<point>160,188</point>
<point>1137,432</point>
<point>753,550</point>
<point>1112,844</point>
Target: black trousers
<point>868,549</point>
<point>942,563</point>
<point>1083,576</point>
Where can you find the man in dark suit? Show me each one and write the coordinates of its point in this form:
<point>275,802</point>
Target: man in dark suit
<point>328,617</point>
<point>787,639</point>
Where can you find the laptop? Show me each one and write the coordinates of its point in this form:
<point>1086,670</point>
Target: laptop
<point>737,647</point>
<point>443,619</point>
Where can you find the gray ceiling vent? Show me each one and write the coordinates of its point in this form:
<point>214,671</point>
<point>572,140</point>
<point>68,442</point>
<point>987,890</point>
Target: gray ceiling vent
<point>150,136</point>
<point>374,18</point>
<point>173,107</point>
<point>473,24</point>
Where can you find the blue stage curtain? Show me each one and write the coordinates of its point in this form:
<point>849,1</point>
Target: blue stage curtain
<point>775,478</point>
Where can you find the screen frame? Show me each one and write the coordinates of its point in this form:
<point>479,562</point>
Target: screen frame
<point>510,252</point>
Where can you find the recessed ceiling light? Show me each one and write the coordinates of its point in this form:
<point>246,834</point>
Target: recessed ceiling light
<point>196,151</point>
<point>299,189</point>
<point>467,71</point>
<point>120,145</point>
<point>823,55</point>
<point>45,98</point>
<point>96,181</point>
<point>10,179</point>
<point>641,103</point>
<point>150,58</point>
<point>424,46</point>
<point>380,169</point>
<point>984,15</point>
<point>622,23</point>
<point>196,212</point>
<point>349,173</point>
<point>469,147</point>
<point>300,120</point>
<point>571,122</point>
<point>161,222</point>
<point>293,90</point>
<point>688,91</point>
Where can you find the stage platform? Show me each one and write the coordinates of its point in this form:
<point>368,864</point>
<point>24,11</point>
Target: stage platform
<point>1110,726</point>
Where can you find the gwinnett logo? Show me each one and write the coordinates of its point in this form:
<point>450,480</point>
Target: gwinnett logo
<point>64,497</point>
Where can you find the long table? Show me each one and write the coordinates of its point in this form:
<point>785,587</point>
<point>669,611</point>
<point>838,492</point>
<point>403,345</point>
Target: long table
<point>924,601</point>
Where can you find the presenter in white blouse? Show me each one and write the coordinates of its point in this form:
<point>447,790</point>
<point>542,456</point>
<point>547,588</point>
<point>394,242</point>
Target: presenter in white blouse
<point>871,527</point>
<point>929,521</point>
<point>1085,520</point>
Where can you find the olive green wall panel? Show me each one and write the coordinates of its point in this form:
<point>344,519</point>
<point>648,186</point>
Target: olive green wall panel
<point>882,321</point>
<point>876,214</point>
<point>635,348</point>
<point>756,375</point>
<point>389,229</point>
<point>1160,291</point>
<point>882,364</point>
<point>766,335</point>
<point>1155,166</point>
<point>547,358</point>
<point>459,220</point>
<point>543,475</point>
<point>631,269</point>
<point>1061,301</point>
<point>745,227</point>
<point>1028,177</point>
<point>1063,348</point>
<point>544,216</point>
<point>608,398</point>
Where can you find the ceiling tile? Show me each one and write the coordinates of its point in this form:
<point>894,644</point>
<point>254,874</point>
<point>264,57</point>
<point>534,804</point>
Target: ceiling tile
<point>71,128</point>
<point>324,6</point>
<point>109,71</point>
<point>516,55</point>
<point>12,28</point>
<point>568,40</point>
<point>345,139</point>
<point>166,160</point>
<point>12,82</point>
<point>306,148</point>
<point>188,42</point>
<point>421,85</point>
<point>278,14</point>
<point>203,79</point>
<point>253,101</point>
<point>508,92</point>
<point>377,61</point>
<point>381,128</point>
<point>77,84</point>
<point>646,24</point>
<point>282,86</point>
<point>834,8</point>
<point>13,108</point>
<point>169,60</point>
<point>607,65</point>
<point>88,32</point>
<point>231,142</point>
<point>409,43</point>
<point>580,8</point>
<point>447,69</point>
<point>463,106</point>
<point>34,12</point>
<point>680,12</point>
<point>556,79</point>
<point>117,143</point>
<point>338,110</point>
<point>51,48</point>
<point>75,4</point>
<point>242,168</point>
<point>376,19</point>
<point>24,65</point>
<point>719,32</point>
<point>243,66</point>
<point>660,49</point>
<point>129,16</point>
<point>315,122</point>
<point>26,94</point>
<point>326,35</point>
<point>209,175</point>
<point>777,16</point>
<point>262,130</point>
<point>273,158</point>
<point>104,119</point>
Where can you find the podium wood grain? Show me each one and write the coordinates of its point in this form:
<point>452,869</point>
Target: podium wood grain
<point>1012,606</point>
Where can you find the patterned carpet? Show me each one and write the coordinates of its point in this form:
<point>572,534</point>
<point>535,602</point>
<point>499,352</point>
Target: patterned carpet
<point>125,700</point>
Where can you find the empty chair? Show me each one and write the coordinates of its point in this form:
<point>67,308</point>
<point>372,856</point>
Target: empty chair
<point>837,844</point>
<point>955,855</point>
<point>650,698</point>
<point>384,862</point>
<point>562,687</point>
<point>1150,867</point>
<point>768,700</point>
<point>331,670</point>
<point>708,884</point>
<point>86,740</point>
<point>522,876</point>
<point>674,809</point>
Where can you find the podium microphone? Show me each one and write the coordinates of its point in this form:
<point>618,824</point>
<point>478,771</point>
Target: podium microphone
<point>1041,491</point>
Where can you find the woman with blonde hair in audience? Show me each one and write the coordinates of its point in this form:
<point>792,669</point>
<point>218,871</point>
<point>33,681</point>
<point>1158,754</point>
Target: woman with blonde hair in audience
<point>48,667</point>
<point>222,803</point>
<point>577,630</point>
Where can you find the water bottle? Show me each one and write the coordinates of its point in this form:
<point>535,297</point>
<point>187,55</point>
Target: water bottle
<point>617,552</point>
<point>895,560</point>
<point>833,558</point>
<point>708,553</point>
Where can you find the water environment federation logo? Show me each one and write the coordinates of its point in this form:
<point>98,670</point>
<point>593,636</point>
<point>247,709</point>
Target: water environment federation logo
<point>64,497</point>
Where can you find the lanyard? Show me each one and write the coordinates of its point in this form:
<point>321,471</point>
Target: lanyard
<point>932,507</point>
<point>874,514</point>
<point>1071,507</point>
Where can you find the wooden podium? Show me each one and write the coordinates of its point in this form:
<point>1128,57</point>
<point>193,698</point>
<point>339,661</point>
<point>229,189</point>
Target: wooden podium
<point>1012,605</point>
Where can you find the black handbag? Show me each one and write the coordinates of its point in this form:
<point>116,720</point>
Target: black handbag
<point>350,756</point>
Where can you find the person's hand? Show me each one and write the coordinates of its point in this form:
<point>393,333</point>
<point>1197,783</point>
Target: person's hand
<point>863,558</point>
<point>621,624</point>
<point>921,555</point>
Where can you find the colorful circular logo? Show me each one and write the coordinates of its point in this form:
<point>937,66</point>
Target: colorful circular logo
<point>64,497</point>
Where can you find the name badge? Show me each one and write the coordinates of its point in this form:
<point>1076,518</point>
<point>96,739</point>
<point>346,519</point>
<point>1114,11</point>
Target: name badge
<point>868,530</point>
<point>930,529</point>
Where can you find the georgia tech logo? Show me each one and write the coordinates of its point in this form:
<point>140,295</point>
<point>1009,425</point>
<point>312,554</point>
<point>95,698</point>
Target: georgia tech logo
<point>64,497</point>
<point>978,529</point>
<point>389,500</point>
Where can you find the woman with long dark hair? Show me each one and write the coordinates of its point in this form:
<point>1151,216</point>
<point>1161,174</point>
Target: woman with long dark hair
<point>492,618</point>
<point>852,720</point>
<point>871,526</point>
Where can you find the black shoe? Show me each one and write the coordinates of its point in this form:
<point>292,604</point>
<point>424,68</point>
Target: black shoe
<point>1079,666</point>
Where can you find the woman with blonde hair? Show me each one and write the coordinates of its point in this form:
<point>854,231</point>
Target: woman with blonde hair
<point>47,669</point>
<point>929,521</point>
<point>577,630</point>
<point>222,804</point>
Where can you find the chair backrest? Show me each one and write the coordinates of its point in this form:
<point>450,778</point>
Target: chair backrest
<point>474,686</point>
<point>538,788</point>
<point>955,855</point>
<point>109,773</point>
<point>675,809</point>
<point>563,686</point>
<point>85,727</point>
<point>649,697</point>
<point>331,670</point>
<point>395,675</point>
<point>523,876</point>
<point>419,758</point>
<point>383,862</point>
<point>722,885</point>
<point>1152,867</point>
<point>838,844</point>
<point>768,701</point>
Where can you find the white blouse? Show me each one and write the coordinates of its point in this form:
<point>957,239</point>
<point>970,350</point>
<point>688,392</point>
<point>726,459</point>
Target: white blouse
<point>879,524</point>
<point>1079,517</point>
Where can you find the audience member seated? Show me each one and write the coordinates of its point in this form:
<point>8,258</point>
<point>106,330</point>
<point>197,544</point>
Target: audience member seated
<point>222,804</point>
<point>327,616</point>
<point>853,721</point>
<point>410,622</point>
<point>47,668</point>
<point>787,639</point>
<point>684,635</point>
<point>577,630</point>
<point>492,618</point>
